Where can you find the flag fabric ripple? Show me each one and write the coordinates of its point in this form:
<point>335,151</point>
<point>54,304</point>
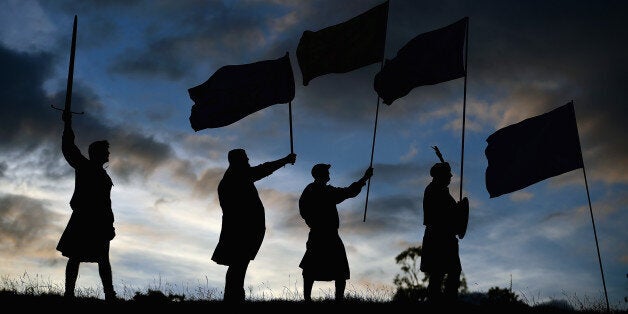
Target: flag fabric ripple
<point>533,150</point>
<point>344,47</point>
<point>236,91</point>
<point>427,59</point>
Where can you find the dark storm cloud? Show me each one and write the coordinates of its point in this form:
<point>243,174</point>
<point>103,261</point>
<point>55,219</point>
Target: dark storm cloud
<point>23,222</point>
<point>136,153</point>
<point>29,122</point>
<point>93,6</point>
<point>25,113</point>
<point>3,168</point>
<point>95,26</point>
<point>210,32</point>
<point>160,58</point>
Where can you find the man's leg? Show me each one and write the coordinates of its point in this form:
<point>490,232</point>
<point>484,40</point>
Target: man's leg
<point>452,283</point>
<point>234,282</point>
<point>308,282</point>
<point>104,270</point>
<point>434,293</point>
<point>340,289</point>
<point>71,273</point>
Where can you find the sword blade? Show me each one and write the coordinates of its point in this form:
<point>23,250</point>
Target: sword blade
<point>68,91</point>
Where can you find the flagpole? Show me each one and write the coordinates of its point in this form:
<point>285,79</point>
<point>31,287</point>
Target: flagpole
<point>595,235</point>
<point>464,109</point>
<point>368,185</point>
<point>599,258</point>
<point>290,116</point>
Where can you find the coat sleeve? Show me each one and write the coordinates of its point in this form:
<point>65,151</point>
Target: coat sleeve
<point>70,151</point>
<point>263,170</point>
<point>338,194</point>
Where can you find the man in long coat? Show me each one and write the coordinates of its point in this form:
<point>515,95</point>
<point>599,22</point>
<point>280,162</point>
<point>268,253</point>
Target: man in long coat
<point>325,258</point>
<point>441,217</point>
<point>243,218</point>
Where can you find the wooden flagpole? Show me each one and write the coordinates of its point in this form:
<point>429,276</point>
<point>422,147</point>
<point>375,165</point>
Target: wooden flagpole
<point>368,185</point>
<point>290,115</point>
<point>608,310</point>
<point>464,108</point>
<point>599,258</point>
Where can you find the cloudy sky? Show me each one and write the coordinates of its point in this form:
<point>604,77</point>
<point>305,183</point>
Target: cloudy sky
<point>135,61</point>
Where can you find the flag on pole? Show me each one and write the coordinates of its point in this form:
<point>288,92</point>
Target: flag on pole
<point>344,47</point>
<point>427,59</point>
<point>533,150</point>
<point>236,91</point>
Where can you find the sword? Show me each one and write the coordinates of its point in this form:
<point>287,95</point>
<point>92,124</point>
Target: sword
<point>68,91</point>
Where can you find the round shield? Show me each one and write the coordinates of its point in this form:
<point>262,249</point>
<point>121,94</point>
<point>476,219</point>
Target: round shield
<point>463,217</point>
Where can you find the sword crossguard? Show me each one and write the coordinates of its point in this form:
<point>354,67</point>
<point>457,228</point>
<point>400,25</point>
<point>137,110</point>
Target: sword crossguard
<point>74,112</point>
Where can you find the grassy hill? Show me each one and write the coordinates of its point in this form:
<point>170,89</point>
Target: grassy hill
<point>159,302</point>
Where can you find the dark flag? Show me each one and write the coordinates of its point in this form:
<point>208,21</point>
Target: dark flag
<point>344,47</point>
<point>429,58</point>
<point>236,91</point>
<point>533,150</point>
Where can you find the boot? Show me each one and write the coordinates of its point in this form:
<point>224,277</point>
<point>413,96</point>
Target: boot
<point>110,296</point>
<point>69,291</point>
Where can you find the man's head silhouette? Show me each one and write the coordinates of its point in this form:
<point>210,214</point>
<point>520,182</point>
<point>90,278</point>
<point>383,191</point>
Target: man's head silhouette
<point>320,172</point>
<point>238,158</point>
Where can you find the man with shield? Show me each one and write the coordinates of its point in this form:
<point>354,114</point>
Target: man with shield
<point>445,223</point>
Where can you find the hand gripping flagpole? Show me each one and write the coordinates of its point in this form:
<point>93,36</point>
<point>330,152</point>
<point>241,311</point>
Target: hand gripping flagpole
<point>68,91</point>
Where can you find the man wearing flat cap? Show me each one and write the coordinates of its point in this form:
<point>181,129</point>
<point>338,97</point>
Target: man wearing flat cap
<point>325,258</point>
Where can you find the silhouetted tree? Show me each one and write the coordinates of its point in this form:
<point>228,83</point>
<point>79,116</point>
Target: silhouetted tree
<point>410,287</point>
<point>497,295</point>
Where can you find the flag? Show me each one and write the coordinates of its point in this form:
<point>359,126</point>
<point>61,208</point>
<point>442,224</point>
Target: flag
<point>344,47</point>
<point>236,91</point>
<point>427,59</point>
<point>533,150</point>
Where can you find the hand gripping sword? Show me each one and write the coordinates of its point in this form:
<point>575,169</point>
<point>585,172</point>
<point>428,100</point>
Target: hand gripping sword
<point>68,91</point>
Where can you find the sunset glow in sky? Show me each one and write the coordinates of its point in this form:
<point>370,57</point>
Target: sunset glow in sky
<point>135,61</point>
